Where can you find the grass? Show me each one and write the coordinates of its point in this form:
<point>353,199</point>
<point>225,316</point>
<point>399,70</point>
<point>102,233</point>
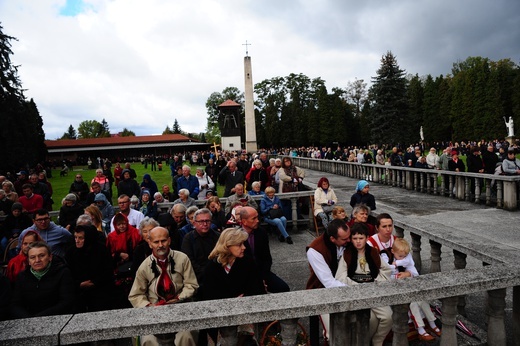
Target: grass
<point>61,185</point>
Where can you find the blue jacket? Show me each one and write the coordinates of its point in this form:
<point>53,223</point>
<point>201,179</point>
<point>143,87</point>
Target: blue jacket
<point>267,204</point>
<point>191,183</point>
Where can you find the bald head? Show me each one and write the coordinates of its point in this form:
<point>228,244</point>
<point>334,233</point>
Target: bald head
<point>159,241</point>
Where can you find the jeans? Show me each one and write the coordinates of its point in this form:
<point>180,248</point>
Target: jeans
<point>281,223</point>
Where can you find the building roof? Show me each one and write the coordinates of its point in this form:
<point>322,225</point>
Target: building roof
<point>116,141</point>
<point>229,103</point>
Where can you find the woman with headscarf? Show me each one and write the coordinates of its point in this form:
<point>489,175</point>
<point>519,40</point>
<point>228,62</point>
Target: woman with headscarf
<point>324,200</point>
<point>128,186</point>
<point>89,262</point>
<point>106,209</point>
<point>146,205</point>
<point>290,176</point>
<point>363,196</point>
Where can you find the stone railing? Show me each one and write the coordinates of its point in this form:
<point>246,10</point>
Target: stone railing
<point>494,190</point>
<point>347,306</point>
<point>294,197</point>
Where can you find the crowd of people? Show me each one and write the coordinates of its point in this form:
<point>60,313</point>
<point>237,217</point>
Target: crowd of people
<point>98,257</point>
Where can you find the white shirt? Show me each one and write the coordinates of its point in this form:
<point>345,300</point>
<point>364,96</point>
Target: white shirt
<point>321,268</point>
<point>134,218</point>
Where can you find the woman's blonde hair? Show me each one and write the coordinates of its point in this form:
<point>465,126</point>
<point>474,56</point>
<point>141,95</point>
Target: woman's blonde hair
<point>228,237</point>
<point>336,210</point>
<point>401,244</point>
<point>269,189</point>
<point>97,217</point>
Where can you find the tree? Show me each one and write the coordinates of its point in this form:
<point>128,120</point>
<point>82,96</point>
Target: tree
<point>22,140</point>
<point>389,103</point>
<point>357,95</point>
<point>89,129</point>
<point>176,127</point>
<point>104,131</point>
<point>127,133</point>
<point>167,131</point>
<point>70,134</point>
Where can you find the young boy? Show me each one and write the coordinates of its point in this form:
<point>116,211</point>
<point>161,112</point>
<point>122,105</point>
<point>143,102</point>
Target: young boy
<point>404,262</point>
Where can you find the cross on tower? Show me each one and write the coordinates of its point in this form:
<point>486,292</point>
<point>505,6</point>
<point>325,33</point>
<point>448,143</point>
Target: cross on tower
<point>247,44</point>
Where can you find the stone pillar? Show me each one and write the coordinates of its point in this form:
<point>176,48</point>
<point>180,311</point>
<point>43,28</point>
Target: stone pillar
<point>460,263</point>
<point>516,313</point>
<point>416,251</point>
<point>294,208</point>
<point>449,321</point>
<point>509,191</point>
<point>400,324</point>
<point>496,313</point>
<point>435,250</point>
<point>251,145</point>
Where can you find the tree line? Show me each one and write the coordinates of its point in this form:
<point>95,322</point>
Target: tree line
<point>468,104</point>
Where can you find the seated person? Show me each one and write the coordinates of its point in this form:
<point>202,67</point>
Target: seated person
<point>324,200</point>
<point>218,217</point>
<point>271,209</point>
<point>360,215</point>
<point>403,262</point>
<point>30,201</point>
<point>96,189</point>
<point>338,212</point>
<point>143,249</point>
<point>106,209</point>
<point>184,198</point>
<point>167,195</point>
<point>70,211</point>
<point>189,219</point>
<point>256,189</point>
<point>363,195</point>
<point>240,196</point>
<point>89,262</point>
<point>18,263</point>
<point>45,288</point>
<point>146,205</point>
<point>14,224</point>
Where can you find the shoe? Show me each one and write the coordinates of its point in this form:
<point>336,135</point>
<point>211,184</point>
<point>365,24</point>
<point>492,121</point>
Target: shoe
<point>426,337</point>
<point>436,331</point>
<point>289,240</point>
<point>281,238</point>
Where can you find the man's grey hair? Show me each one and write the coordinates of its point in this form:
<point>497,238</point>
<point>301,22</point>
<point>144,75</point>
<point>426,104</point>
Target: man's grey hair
<point>201,212</point>
<point>84,220</point>
<point>147,221</point>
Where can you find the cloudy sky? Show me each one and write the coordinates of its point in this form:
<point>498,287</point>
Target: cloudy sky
<point>140,64</point>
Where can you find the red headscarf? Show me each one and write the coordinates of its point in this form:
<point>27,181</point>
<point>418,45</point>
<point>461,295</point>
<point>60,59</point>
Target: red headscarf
<point>18,263</point>
<point>118,242</point>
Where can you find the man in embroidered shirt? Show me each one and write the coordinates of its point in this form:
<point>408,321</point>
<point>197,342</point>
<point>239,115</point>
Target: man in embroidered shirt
<point>165,277</point>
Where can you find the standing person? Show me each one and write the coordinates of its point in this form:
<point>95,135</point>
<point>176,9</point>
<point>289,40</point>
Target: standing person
<point>128,186</point>
<point>189,182</point>
<point>133,175</point>
<point>324,201</point>
<point>257,247</point>
<point>490,159</point>
<point>475,165</point>
<point>361,264</point>
<point>149,184</point>
<point>257,173</point>
<point>118,171</point>
<point>80,188</point>
<point>48,202</point>
<point>103,181</point>
<point>205,183</point>
<point>432,158</point>
<point>212,170</point>
<point>108,174</point>
<point>41,189</point>
<point>165,277</point>
<point>290,176</point>
<point>230,274</point>
<point>322,255</point>
<point>230,176</point>
<point>30,200</point>
<point>243,165</point>
<point>274,180</point>
<point>46,288</point>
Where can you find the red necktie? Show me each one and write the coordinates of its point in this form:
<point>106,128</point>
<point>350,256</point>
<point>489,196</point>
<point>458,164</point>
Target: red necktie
<point>165,288</point>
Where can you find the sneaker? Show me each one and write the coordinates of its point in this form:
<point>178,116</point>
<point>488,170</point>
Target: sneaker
<point>289,240</point>
<point>281,238</point>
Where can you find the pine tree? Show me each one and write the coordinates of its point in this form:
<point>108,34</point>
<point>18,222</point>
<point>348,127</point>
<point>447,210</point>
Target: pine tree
<point>389,103</point>
<point>176,127</point>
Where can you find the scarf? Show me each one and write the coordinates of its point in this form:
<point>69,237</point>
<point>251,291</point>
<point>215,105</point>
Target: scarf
<point>39,275</point>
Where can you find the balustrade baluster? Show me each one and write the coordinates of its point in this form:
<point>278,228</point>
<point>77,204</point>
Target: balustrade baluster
<point>416,251</point>
<point>477,190</point>
<point>466,189</point>
<point>460,263</point>
<point>449,321</point>
<point>496,313</point>
<point>435,250</point>
<point>400,324</point>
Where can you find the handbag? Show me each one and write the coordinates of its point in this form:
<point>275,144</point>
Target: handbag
<point>275,213</point>
<point>327,208</point>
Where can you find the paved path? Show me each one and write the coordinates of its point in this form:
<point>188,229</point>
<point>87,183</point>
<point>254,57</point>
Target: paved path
<point>464,218</point>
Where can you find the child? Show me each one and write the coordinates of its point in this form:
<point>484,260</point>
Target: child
<point>362,264</point>
<point>404,262</point>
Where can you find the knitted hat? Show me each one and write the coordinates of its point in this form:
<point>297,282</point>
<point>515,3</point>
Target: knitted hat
<point>361,185</point>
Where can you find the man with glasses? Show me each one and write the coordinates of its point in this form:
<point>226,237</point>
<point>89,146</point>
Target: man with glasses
<point>134,216</point>
<point>58,238</point>
<point>198,243</point>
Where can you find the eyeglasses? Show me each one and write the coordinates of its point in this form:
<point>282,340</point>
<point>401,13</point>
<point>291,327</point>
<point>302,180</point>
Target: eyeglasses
<point>205,222</point>
<point>42,220</point>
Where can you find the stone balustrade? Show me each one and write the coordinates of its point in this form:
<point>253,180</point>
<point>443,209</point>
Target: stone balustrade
<point>500,191</point>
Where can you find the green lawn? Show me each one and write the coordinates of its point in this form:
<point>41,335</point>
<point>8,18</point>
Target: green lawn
<point>61,185</point>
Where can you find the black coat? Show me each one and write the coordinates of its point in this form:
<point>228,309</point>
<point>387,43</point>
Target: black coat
<point>227,179</point>
<point>243,278</point>
<point>262,255</point>
<point>52,295</point>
